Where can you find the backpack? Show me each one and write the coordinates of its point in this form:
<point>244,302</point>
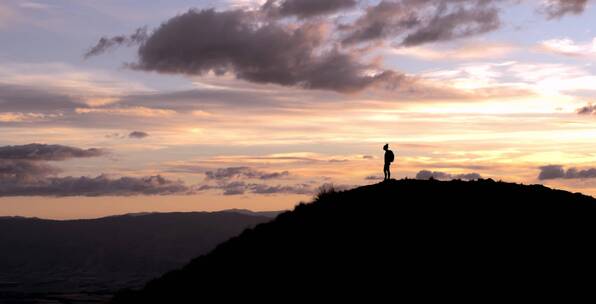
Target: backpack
<point>390,157</point>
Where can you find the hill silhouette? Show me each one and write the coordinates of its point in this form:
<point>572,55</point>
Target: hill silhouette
<point>397,239</point>
<point>82,261</point>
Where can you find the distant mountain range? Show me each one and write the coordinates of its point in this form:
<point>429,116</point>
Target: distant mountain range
<point>87,260</point>
<point>407,240</point>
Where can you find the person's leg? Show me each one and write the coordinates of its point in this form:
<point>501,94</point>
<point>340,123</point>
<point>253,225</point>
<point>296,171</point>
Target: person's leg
<point>388,171</point>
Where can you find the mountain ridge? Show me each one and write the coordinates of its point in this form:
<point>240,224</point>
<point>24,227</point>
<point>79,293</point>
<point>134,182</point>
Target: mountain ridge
<point>136,214</point>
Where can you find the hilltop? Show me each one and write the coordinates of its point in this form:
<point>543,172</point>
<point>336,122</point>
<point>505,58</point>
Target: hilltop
<point>397,239</point>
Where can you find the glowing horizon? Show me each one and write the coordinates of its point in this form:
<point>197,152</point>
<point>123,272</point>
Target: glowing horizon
<point>505,99</point>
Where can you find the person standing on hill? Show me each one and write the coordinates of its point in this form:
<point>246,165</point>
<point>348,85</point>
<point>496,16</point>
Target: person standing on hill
<point>389,158</point>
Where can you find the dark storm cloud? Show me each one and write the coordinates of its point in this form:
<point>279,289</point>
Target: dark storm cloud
<point>47,152</point>
<point>107,43</point>
<point>138,134</point>
<point>558,172</point>
<point>236,42</point>
<point>423,21</point>
<point>587,110</point>
<point>243,172</point>
<point>305,8</point>
<point>93,186</point>
<point>425,174</point>
<point>559,8</point>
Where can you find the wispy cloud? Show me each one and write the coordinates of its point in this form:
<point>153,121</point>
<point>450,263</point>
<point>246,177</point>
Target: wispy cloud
<point>127,111</point>
<point>466,51</point>
<point>241,187</point>
<point>108,43</point>
<point>34,5</point>
<point>25,117</point>
<point>47,152</point>
<point>568,47</point>
<point>243,172</point>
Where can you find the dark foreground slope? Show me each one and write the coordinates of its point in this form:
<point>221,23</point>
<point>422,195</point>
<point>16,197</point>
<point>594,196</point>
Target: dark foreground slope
<point>81,260</point>
<point>398,239</point>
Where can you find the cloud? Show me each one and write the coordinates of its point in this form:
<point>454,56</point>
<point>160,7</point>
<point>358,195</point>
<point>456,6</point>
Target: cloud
<point>305,8</point>
<point>243,172</point>
<point>237,42</point>
<point>30,175</point>
<point>108,43</point>
<point>241,187</point>
<point>101,185</point>
<point>555,9</point>
<point>233,181</point>
<point>374,177</point>
<point>460,51</point>
<point>303,189</point>
<point>27,99</point>
<point>25,117</point>
<point>127,111</point>
<point>28,163</point>
<point>270,46</point>
<point>517,78</point>
<point>138,134</point>
<point>24,171</point>
<point>589,109</point>
<point>47,152</point>
<point>551,172</point>
<point>454,25</point>
<point>419,22</point>
<point>558,172</point>
<point>35,5</point>
<point>233,188</point>
<point>425,174</point>
<point>569,47</point>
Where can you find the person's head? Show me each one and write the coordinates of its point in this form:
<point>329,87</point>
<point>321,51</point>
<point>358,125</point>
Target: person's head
<point>386,147</point>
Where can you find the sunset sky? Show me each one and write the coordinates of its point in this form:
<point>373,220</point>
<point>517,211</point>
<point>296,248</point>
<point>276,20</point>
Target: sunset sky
<point>118,106</point>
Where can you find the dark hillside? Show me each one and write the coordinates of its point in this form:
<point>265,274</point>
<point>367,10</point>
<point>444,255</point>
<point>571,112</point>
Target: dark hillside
<point>426,239</point>
<point>96,257</point>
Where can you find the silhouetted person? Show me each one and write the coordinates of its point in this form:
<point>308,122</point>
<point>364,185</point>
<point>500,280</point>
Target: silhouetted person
<point>389,158</point>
